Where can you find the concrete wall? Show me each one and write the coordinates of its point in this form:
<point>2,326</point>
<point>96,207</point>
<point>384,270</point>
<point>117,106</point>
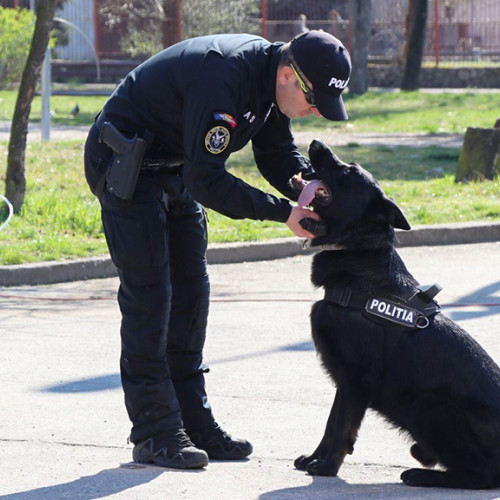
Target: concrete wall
<point>391,76</point>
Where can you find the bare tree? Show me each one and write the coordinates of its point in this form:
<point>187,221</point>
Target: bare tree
<point>147,26</point>
<point>15,183</point>
<point>361,25</point>
<point>416,22</point>
<point>153,24</point>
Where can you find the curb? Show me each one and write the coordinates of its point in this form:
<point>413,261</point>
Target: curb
<point>46,273</point>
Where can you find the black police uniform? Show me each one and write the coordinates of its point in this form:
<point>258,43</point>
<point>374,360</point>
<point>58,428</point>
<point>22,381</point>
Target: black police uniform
<point>201,100</point>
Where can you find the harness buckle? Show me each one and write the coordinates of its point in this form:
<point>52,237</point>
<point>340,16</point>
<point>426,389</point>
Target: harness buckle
<point>423,300</point>
<point>422,322</point>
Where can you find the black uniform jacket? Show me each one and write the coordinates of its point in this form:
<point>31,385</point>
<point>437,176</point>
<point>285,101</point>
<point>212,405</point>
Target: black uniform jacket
<point>205,98</point>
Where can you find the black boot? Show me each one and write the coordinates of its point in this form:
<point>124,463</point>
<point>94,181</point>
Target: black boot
<point>219,444</point>
<point>170,449</point>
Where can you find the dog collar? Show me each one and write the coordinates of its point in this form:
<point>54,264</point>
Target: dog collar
<point>307,243</point>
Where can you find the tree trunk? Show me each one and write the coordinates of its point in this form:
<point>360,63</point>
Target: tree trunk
<point>479,158</point>
<point>15,182</point>
<point>169,23</point>
<point>417,20</point>
<point>360,14</point>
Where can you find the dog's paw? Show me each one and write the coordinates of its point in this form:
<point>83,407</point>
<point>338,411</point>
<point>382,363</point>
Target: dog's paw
<point>303,461</point>
<point>416,477</point>
<point>426,458</point>
<point>322,468</point>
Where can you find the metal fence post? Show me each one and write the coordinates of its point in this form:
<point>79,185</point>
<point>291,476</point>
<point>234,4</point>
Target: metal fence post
<point>264,18</point>
<point>436,32</point>
<point>178,19</point>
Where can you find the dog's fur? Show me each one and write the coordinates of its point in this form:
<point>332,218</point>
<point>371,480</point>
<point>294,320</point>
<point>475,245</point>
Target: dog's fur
<point>436,383</point>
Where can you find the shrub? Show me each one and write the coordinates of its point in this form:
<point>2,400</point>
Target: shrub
<point>16,30</point>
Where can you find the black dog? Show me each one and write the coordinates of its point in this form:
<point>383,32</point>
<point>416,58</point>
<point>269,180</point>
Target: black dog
<point>387,346</point>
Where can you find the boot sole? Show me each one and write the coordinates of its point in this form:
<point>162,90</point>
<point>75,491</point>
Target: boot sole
<point>194,458</point>
<point>171,464</point>
<point>237,453</point>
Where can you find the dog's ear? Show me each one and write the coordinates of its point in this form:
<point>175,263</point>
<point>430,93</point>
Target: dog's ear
<point>387,211</point>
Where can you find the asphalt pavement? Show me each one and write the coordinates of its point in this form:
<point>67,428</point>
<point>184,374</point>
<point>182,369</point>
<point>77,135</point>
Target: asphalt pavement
<point>63,425</point>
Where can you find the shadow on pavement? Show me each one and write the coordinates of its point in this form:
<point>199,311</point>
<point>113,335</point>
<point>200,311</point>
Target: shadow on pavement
<point>327,488</point>
<point>101,485</point>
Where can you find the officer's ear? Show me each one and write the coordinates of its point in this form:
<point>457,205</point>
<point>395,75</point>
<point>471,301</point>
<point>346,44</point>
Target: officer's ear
<point>285,75</point>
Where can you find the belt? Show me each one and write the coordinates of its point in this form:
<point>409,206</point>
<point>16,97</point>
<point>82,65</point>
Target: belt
<point>167,161</point>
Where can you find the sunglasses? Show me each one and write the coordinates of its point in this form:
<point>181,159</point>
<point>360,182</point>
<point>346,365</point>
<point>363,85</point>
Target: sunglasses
<point>308,93</point>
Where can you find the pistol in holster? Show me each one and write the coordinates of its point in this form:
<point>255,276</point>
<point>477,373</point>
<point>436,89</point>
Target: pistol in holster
<point>123,171</point>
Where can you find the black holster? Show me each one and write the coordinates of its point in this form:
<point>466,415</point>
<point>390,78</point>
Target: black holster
<point>125,165</point>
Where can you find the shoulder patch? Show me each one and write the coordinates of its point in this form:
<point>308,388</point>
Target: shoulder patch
<point>219,116</point>
<point>217,139</point>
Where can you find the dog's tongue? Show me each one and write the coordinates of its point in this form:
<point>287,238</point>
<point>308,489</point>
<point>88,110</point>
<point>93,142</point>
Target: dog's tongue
<point>307,194</point>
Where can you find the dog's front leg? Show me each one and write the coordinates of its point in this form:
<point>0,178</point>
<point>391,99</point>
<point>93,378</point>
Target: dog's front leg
<point>341,431</point>
<point>321,451</point>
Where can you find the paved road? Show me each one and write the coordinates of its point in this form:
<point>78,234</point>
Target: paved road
<point>63,425</point>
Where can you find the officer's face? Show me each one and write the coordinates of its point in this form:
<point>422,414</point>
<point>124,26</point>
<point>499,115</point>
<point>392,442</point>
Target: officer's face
<point>290,98</point>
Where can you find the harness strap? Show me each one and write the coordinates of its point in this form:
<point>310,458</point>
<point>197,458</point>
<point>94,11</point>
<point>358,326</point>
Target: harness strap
<point>408,314</point>
<point>341,296</point>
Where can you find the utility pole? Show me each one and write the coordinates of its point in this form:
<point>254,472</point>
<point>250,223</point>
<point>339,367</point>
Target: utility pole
<point>45,89</point>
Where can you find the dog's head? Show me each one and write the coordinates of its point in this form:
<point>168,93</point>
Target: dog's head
<point>348,199</point>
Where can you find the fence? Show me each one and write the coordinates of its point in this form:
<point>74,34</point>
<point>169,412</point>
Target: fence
<point>464,30</point>
<point>457,30</point>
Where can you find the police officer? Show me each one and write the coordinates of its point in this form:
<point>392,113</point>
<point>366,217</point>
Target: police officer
<point>154,156</point>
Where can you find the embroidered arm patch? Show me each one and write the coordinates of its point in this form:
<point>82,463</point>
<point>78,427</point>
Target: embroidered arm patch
<point>217,139</point>
<point>218,136</point>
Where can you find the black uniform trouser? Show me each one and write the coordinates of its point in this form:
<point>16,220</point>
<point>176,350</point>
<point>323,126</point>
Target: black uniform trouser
<point>158,244</point>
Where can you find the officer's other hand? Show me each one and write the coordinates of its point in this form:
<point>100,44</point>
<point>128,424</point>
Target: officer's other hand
<point>293,222</point>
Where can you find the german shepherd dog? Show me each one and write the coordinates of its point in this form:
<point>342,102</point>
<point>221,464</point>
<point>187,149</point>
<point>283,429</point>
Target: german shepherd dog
<point>387,346</point>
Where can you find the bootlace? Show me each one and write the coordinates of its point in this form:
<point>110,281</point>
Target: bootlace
<point>219,430</point>
<point>173,439</point>
<point>183,439</point>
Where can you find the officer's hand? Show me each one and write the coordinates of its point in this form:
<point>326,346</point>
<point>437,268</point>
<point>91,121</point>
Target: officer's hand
<point>293,222</point>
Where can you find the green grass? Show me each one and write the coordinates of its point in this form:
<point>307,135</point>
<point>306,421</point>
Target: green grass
<point>396,112</point>
<point>60,105</point>
<point>60,218</point>
<point>388,112</point>
<point>480,63</point>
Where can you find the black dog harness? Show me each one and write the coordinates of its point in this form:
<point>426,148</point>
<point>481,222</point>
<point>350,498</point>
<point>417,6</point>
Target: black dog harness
<point>409,314</point>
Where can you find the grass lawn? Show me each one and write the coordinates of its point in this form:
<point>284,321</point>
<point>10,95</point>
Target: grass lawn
<point>422,112</point>
<point>60,218</point>
<point>374,111</point>
<point>60,105</point>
